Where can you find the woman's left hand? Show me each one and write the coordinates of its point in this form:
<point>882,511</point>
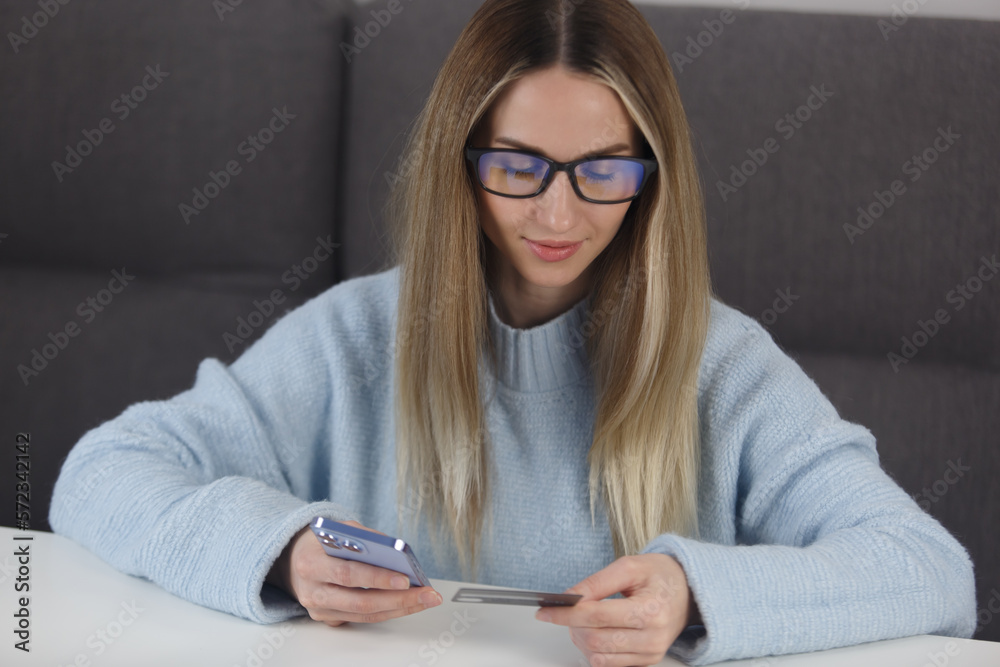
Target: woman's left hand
<point>638,629</point>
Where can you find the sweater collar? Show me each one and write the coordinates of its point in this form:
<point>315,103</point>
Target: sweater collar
<point>545,357</point>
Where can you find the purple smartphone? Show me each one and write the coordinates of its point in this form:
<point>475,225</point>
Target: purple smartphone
<point>350,543</point>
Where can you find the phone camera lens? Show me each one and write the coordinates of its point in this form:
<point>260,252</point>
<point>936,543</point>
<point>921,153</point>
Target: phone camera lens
<point>329,540</point>
<point>353,546</point>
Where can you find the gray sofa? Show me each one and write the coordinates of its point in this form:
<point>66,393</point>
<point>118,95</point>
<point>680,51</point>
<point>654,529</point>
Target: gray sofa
<point>177,175</point>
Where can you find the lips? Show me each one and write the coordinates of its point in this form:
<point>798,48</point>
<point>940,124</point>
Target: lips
<point>553,251</point>
<point>554,244</point>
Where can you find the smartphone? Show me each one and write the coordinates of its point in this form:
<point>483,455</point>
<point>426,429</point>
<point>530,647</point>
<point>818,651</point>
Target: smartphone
<point>351,543</point>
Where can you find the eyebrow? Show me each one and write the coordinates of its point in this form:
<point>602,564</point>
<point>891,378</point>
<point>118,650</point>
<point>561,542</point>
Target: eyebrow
<point>534,149</point>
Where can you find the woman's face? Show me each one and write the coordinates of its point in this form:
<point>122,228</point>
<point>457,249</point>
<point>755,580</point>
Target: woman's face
<point>563,116</point>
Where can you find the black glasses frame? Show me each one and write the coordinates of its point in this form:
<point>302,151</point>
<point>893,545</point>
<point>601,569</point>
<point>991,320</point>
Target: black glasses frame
<point>472,155</point>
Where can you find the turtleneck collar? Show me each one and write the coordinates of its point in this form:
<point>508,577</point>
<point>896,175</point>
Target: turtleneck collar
<point>541,358</point>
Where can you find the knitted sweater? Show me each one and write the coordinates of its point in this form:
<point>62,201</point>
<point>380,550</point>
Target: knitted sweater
<point>805,543</point>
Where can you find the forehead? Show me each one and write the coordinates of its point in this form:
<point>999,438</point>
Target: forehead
<point>566,114</point>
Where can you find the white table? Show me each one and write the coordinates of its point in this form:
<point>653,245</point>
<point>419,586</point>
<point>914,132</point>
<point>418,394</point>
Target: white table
<point>83,612</point>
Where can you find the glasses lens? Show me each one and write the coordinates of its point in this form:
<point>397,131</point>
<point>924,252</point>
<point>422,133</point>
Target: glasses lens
<point>512,173</point>
<point>609,179</point>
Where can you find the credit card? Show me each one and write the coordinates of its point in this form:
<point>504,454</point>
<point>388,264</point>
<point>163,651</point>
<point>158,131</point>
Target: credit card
<point>510,596</point>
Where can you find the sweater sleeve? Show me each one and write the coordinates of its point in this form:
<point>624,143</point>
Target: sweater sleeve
<point>829,551</point>
<point>195,493</point>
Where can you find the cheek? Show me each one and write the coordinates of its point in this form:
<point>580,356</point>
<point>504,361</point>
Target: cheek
<point>499,216</point>
<point>610,222</point>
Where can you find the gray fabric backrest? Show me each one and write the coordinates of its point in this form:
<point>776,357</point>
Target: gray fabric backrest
<point>118,209</point>
<point>794,223</point>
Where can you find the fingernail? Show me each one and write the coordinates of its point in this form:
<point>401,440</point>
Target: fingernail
<point>400,582</point>
<point>430,599</point>
<point>543,615</point>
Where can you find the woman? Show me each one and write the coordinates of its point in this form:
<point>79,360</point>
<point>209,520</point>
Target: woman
<point>542,394</point>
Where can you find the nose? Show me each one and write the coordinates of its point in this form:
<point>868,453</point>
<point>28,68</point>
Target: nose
<point>554,206</point>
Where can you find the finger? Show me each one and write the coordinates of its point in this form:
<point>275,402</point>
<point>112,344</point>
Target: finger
<point>362,602</point>
<point>331,599</point>
<point>623,574</point>
<point>335,618</point>
<point>349,573</point>
<point>631,613</point>
<point>314,564</point>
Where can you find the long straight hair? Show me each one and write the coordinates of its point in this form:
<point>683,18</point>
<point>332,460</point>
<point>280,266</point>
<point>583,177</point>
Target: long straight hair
<point>647,313</point>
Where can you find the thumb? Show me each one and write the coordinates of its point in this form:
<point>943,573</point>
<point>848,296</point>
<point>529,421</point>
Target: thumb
<point>617,577</point>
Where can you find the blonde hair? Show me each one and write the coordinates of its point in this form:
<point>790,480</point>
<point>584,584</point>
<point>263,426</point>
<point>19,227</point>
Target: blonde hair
<point>648,310</point>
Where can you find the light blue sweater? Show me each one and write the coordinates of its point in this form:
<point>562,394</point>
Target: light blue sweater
<point>805,542</point>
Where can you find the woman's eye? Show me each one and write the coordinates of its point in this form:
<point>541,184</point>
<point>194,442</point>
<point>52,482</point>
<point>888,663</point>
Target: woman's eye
<point>593,175</point>
<point>522,171</point>
<point>524,166</point>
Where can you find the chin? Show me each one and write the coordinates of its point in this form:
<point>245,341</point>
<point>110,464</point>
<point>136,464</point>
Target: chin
<point>552,276</point>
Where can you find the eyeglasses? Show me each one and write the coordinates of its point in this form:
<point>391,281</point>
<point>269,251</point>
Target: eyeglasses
<point>520,174</point>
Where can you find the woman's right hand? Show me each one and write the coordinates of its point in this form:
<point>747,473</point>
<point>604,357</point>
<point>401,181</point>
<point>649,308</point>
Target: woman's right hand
<point>335,591</point>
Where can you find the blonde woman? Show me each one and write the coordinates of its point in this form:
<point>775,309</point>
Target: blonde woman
<point>543,393</point>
